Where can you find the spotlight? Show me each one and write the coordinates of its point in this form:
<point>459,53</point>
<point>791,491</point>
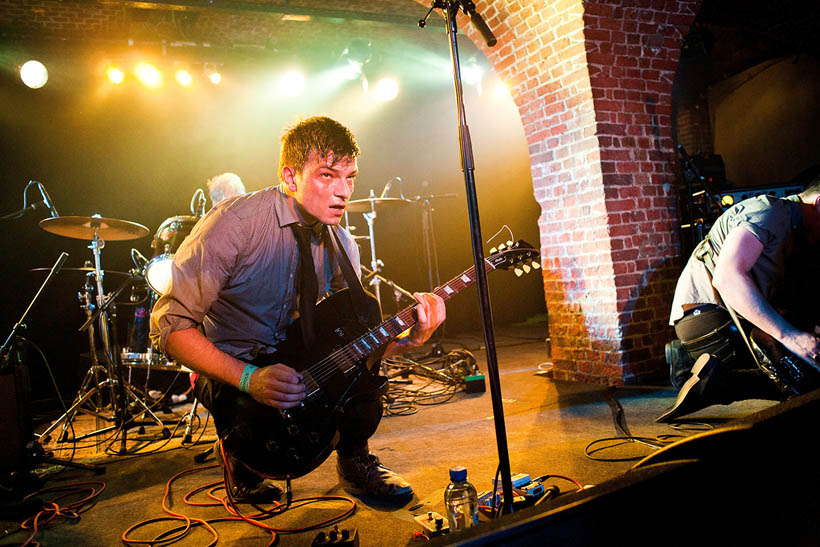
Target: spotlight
<point>354,57</point>
<point>212,73</point>
<point>115,75</point>
<point>387,89</point>
<point>149,75</point>
<point>34,74</point>
<point>501,91</point>
<point>183,77</point>
<point>471,73</point>
<point>292,83</point>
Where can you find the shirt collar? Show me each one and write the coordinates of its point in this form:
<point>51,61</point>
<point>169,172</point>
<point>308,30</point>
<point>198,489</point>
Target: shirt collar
<point>286,213</point>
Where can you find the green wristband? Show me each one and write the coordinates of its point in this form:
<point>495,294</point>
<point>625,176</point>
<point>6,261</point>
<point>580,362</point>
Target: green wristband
<point>245,379</point>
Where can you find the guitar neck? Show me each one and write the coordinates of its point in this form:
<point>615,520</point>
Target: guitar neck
<point>383,333</point>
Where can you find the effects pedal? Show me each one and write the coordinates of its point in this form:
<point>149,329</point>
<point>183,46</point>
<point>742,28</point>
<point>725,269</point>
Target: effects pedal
<point>337,538</point>
<point>433,523</point>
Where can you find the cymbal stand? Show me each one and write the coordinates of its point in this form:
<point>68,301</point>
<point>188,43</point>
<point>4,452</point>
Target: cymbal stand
<point>432,264</point>
<point>398,292</point>
<point>97,378</point>
<point>375,263</point>
<point>113,381</point>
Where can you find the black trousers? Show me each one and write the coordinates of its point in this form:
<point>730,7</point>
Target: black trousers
<point>709,328</point>
<point>361,415</point>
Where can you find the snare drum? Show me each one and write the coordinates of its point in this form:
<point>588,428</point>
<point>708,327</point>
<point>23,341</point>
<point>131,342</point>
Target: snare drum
<point>166,241</point>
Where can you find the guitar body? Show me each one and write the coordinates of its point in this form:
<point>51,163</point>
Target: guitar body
<point>792,375</point>
<point>286,444</point>
<point>291,443</point>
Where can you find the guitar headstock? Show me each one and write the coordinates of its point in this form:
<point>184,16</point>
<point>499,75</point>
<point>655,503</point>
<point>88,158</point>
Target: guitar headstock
<point>520,256</point>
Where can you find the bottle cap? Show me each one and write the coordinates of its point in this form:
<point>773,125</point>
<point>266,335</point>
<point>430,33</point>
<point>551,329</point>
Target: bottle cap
<point>458,473</point>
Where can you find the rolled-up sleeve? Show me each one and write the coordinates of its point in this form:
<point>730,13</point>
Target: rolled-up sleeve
<point>200,268</point>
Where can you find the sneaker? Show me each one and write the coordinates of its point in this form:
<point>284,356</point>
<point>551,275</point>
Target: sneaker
<point>367,472</point>
<point>248,487</point>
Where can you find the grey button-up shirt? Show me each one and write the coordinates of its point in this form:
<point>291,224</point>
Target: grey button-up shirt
<point>235,275</point>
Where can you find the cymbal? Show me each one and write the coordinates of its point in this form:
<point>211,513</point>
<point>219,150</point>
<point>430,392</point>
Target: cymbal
<point>85,269</point>
<point>369,204</point>
<point>108,229</point>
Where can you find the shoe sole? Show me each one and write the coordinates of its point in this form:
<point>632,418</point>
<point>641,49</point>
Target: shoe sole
<point>700,363</point>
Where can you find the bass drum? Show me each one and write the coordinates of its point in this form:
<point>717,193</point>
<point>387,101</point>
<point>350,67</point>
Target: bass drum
<point>166,241</point>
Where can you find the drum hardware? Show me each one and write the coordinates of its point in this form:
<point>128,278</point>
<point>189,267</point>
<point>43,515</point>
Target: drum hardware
<point>101,309</point>
<point>169,236</point>
<point>367,207</point>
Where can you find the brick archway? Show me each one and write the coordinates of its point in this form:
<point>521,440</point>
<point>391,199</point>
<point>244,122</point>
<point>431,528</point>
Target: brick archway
<point>593,84</point>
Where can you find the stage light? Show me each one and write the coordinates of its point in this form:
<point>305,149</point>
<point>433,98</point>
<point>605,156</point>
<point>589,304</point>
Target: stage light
<point>387,89</point>
<point>353,59</point>
<point>501,91</point>
<point>183,77</point>
<point>149,75</point>
<point>34,74</point>
<point>292,83</point>
<point>115,75</point>
<point>212,73</point>
<point>471,73</point>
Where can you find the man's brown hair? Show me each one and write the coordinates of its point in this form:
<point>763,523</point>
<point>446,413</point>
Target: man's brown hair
<point>324,135</point>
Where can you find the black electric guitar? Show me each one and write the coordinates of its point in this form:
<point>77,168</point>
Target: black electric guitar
<point>285,444</point>
<point>792,375</point>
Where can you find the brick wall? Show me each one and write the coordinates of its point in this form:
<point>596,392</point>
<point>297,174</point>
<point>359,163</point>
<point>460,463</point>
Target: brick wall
<point>593,83</point>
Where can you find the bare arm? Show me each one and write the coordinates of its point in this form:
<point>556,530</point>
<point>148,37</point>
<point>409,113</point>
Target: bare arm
<point>739,254</point>
<point>430,313</point>
<point>277,385</point>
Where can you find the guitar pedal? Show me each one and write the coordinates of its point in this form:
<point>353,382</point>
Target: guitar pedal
<point>434,523</point>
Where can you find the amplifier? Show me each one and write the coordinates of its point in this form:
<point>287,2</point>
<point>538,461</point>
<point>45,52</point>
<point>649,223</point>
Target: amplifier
<point>731,196</point>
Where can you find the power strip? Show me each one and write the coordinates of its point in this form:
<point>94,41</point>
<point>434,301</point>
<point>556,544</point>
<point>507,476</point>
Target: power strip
<point>433,522</point>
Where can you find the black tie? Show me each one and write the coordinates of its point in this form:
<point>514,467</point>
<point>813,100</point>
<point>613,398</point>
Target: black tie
<point>308,285</point>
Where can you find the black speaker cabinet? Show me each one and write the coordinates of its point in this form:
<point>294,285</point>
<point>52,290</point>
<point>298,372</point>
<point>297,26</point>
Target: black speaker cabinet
<point>16,428</point>
<point>754,482</point>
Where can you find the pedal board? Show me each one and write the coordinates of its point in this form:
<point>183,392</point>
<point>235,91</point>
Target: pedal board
<point>433,523</point>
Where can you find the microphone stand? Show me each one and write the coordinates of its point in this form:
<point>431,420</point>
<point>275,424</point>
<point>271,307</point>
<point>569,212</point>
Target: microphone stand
<point>450,9</point>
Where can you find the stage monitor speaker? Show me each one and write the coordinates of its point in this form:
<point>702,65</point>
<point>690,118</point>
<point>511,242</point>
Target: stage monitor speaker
<point>16,428</point>
<point>755,481</point>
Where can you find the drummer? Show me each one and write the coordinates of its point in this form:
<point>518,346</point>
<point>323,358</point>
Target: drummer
<point>224,186</point>
<point>237,277</point>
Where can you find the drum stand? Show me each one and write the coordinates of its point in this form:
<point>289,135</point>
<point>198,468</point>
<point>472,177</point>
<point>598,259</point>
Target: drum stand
<point>94,384</point>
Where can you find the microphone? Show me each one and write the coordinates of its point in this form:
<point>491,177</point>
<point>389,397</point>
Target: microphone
<point>478,22</point>
<point>198,203</point>
<point>47,200</point>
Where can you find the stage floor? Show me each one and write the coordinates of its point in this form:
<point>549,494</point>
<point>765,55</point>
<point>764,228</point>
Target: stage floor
<point>549,427</point>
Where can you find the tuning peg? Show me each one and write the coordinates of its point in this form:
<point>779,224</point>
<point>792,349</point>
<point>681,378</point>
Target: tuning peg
<point>493,250</point>
<point>518,272</point>
<point>509,243</point>
<point>535,265</point>
<point>526,268</point>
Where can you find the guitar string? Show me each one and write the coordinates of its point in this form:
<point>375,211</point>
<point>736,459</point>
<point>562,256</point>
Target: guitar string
<point>335,361</point>
<point>328,366</point>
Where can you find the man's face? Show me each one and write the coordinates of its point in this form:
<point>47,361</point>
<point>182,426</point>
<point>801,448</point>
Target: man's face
<point>323,188</point>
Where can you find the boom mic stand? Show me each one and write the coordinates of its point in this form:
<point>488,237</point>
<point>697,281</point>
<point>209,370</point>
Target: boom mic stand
<point>450,9</point>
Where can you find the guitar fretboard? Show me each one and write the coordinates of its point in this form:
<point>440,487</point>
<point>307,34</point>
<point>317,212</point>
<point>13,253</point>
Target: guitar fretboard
<point>345,358</point>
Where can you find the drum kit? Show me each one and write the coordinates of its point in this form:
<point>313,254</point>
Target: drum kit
<point>105,391</point>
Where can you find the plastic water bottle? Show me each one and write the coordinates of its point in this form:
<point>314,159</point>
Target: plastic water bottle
<point>461,501</point>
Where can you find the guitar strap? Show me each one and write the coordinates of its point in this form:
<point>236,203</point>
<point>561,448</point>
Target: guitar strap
<point>705,254</point>
<point>361,301</point>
